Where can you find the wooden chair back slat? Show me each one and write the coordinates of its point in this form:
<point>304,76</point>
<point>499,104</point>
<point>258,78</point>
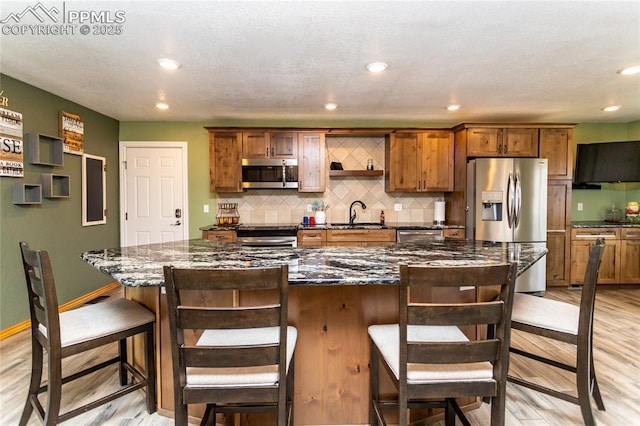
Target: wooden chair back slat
<point>229,318</point>
<point>453,352</point>
<point>455,314</point>
<point>455,277</point>
<point>226,279</point>
<point>229,357</point>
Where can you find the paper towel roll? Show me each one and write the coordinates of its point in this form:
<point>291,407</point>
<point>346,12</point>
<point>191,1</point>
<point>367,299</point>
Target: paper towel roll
<point>438,213</point>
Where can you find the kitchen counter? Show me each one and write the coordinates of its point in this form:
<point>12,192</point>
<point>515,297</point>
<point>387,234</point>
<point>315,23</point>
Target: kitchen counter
<point>603,224</point>
<point>387,225</point>
<point>330,265</point>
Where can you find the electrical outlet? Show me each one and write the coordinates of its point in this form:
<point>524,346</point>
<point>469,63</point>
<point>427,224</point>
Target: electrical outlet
<point>206,208</point>
<point>580,207</point>
<point>309,208</point>
<point>397,207</point>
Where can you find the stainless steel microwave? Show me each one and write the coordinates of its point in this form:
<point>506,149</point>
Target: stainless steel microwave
<point>269,173</point>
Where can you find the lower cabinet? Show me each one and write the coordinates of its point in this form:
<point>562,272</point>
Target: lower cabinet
<point>621,258</point>
<point>220,236</point>
<point>361,237</point>
<point>630,256</point>
<point>312,237</point>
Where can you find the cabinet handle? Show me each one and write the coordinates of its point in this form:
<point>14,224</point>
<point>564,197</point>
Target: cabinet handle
<point>266,154</point>
<point>505,148</point>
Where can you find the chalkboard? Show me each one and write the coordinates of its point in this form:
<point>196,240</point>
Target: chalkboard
<point>94,190</point>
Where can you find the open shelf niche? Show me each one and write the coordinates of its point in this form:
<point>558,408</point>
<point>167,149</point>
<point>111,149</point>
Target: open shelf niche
<point>55,186</point>
<point>27,194</point>
<point>45,150</point>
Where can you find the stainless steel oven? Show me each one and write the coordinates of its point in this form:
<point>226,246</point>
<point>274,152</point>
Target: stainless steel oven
<point>269,173</point>
<point>265,236</point>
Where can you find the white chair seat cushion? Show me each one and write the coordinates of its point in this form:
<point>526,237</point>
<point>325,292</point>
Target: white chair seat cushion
<point>387,339</point>
<point>545,313</point>
<point>101,319</point>
<point>248,376</point>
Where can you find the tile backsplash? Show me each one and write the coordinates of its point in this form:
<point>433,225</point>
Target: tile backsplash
<point>289,206</point>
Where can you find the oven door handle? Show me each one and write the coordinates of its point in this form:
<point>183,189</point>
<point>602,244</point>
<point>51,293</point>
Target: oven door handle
<point>267,241</point>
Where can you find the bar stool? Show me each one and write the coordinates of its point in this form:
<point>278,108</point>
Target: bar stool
<point>72,332</point>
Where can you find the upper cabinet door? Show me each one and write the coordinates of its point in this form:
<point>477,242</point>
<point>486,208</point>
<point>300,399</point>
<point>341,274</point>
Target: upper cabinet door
<point>556,146</point>
<point>225,162</point>
<point>483,142</point>
<point>402,162</point>
<point>283,145</point>
<point>255,145</point>
<point>437,161</point>
<point>519,143</point>
<point>311,162</point>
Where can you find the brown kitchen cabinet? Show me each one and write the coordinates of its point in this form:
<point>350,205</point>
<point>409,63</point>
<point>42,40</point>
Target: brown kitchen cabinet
<point>419,161</point>
<point>558,232</point>
<point>455,233</point>
<point>311,162</point>
<point>220,236</point>
<point>269,145</point>
<point>630,256</point>
<point>582,240</point>
<point>312,237</point>
<point>361,237</point>
<point>556,145</point>
<point>502,142</point>
<point>225,161</point>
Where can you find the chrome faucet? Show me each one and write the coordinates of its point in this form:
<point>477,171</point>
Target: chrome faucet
<point>352,213</point>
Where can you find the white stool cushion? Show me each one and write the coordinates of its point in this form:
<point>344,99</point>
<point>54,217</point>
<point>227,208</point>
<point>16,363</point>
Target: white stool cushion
<point>387,339</point>
<point>545,313</point>
<point>251,376</point>
<point>101,319</point>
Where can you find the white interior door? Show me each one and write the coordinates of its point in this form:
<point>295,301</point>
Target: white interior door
<point>153,192</point>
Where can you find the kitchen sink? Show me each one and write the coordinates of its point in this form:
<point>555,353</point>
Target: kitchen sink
<point>358,225</point>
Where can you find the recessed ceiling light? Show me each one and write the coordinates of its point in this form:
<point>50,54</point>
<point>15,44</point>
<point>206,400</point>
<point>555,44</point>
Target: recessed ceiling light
<point>611,108</point>
<point>377,67</point>
<point>168,64</point>
<point>630,70</point>
<point>454,107</point>
<point>330,106</point>
<point>162,105</point>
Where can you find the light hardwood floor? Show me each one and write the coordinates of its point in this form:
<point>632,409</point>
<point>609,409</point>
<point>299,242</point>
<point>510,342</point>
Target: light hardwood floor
<point>617,363</point>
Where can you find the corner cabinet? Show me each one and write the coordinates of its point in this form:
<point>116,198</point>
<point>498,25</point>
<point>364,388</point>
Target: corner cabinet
<point>225,161</point>
<point>419,161</point>
<point>311,162</point>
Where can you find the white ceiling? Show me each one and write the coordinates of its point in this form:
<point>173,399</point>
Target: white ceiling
<point>503,61</point>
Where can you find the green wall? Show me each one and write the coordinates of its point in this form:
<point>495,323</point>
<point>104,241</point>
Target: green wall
<point>597,202</point>
<point>56,224</point>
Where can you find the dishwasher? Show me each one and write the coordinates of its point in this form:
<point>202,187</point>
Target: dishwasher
<point>406,235</point>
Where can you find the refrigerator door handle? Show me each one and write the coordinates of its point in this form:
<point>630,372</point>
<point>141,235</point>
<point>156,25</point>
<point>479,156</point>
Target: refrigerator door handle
<point>518,201</point>
<point>510,200</point>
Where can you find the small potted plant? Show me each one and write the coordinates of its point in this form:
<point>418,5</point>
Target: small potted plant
<point>319,208</point>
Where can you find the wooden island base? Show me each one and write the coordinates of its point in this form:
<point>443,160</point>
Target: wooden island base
<point>332,352</point>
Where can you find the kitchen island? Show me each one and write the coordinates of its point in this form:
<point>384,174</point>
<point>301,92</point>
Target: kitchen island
<point>335,294</point>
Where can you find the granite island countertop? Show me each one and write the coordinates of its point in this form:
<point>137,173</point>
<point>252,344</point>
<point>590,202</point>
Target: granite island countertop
<point>330,265</point>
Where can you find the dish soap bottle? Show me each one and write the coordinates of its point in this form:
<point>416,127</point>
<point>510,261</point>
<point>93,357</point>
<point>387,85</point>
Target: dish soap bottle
<point>381,217</point>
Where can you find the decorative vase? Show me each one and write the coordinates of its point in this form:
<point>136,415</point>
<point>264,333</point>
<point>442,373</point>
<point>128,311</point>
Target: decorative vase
<point>321,217</point>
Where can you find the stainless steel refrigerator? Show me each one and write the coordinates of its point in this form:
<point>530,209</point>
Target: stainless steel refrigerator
<point>507,202</point>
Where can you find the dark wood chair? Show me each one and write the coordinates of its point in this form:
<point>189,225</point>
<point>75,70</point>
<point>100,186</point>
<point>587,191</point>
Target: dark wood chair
<point>429,358</point>
<point>72,332</point>
<point>232,358</point>
<point>567,323</point>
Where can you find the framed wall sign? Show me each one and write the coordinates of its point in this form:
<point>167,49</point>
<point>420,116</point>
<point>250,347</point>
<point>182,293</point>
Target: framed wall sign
<point>72,133</point>
<point>94,190</point>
